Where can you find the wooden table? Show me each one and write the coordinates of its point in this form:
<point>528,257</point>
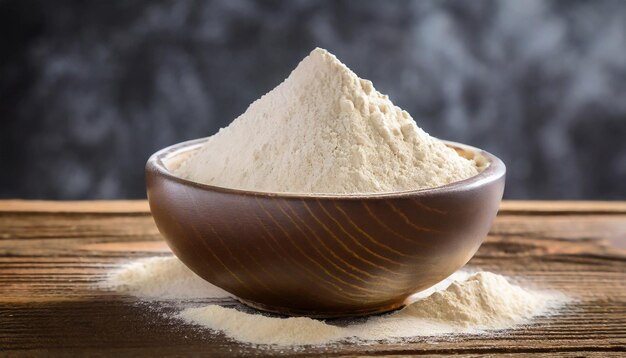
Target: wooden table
<point>52,255</point>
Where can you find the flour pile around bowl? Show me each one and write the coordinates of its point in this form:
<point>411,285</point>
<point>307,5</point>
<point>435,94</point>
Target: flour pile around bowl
<point>160,278</point>
<point>483,302</point>
<point>476,303</point>
<point>324,130</point>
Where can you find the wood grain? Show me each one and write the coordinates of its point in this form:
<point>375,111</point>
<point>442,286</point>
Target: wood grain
<point>52,256</point>
<point>99,207</point>
<point>141,206</point>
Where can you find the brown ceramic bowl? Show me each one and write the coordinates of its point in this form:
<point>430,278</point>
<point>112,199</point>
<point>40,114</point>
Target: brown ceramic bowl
<point>322,255</point>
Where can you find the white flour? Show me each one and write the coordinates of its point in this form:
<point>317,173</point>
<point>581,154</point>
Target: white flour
<point>259,329</point>
<point>324,130</point>
<point>483,302</point>
<point>161,278</point>
<point>462,304</point>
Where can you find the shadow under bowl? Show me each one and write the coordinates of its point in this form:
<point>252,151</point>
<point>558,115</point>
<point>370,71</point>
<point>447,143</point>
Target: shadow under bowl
<point>322,255</point>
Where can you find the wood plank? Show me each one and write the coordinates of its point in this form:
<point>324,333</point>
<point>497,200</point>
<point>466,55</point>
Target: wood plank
<point>141,206</point>
<point>103,206</point>
<point>52,258</point>
<point>556,207</point>
<point>602,229</point>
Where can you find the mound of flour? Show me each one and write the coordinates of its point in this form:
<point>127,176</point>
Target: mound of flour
<point>325,130</point>
<point>464,303</point>
<point>483,302</point>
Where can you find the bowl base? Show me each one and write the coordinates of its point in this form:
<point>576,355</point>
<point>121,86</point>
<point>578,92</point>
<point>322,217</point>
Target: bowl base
<point>320,314</point>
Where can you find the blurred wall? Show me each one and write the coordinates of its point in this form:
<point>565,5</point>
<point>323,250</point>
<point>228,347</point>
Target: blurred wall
<point>89,89</point>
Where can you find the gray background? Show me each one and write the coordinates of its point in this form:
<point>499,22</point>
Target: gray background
<point>88,90</point>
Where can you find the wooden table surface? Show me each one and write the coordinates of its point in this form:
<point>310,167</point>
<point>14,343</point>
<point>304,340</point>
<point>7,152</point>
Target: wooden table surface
<point>52,255</point>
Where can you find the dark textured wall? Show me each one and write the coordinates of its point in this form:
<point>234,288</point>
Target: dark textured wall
<point>88,89</point>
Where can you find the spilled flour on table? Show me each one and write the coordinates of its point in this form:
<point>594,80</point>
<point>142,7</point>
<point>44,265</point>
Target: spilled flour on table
<point>465,303</point>
<point>159,278</point>
<point>483,302</point>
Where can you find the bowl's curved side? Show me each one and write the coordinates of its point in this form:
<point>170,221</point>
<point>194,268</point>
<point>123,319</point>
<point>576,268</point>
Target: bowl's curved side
<point>325,256</point>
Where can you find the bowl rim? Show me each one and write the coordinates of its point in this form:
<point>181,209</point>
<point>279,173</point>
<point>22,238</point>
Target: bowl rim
<point>494,171</point>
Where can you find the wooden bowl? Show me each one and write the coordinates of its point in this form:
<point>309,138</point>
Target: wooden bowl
<point>322,255</point>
